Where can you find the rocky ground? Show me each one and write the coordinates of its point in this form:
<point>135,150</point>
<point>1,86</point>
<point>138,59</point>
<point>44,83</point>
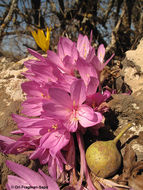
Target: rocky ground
<point>124,109</point>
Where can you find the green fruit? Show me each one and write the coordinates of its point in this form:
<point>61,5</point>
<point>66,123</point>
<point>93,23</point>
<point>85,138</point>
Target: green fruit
<point>103,157</point>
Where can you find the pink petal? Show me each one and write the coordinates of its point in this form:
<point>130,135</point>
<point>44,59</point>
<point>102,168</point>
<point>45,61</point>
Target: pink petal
<point>74,52</point>
<point>92,86</point>
<point>69,65</point>
<point>55,164</point>
<point>41,154</point>
<point>98,98</point>
<point>32,131</point>
<point>31,177</point>
<point>30,62</point>
<point>36,54</point>
<point>86,70</point>
<point>60,97</point>
<point>25,121</point>
<point>32,107</point>
<point>55,140</point>
<point>90,55</point>
<point>106,94</point>
<point>97,64</point>
<point>78,92</point>
<point>87,117</point>
<point>5,142</point>
<point>15,132</point>
<point>54,58</point>
<point>82,159</point>
<point>14,182</point>
<point>21,145</point>
<point>83,45</point>
<point>64,47</point>
<point>66,82</point>
<point>101,53</point>
<point>56,111</point>
<point>44,73</point>
<point>50,182</point>
<point>32,88</point>
<point>71,124</point>
<point>60,161</point>
<point>52,168</point>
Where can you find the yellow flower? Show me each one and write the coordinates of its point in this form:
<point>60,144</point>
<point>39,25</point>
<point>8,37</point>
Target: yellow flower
<point>42,40</point>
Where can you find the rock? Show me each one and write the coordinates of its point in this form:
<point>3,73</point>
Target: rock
<point>131,175</point>
<point>11,94</point>
<point>136,56</point>
<point>133,68</point>
<point>129,108</point>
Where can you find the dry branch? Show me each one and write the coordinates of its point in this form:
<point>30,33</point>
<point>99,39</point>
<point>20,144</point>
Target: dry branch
<point>8,18</point>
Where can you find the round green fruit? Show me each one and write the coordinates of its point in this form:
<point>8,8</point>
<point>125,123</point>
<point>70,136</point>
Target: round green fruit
<point>103,157</point>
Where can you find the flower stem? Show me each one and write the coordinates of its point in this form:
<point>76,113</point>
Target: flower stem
<point>121,133</point>
<point>82,158</point>
<point>83,165</point>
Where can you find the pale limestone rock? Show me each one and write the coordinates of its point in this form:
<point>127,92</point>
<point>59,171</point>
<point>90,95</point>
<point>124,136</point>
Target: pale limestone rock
<point>136,55</point>
<point>133,70</point>
<point>11,78</point>
<point>11,95</point>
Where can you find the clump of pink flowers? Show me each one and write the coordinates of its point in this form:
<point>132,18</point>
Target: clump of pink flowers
<point>63,100</point>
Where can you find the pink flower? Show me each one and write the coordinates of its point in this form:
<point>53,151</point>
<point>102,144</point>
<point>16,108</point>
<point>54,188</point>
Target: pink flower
<point>67,52</point>
<point>95,100</point>
<point>66,57</point>
<point>34,127</point>
<point>44,137</point>
<point>51,70</point>
<point>41,70</point>
<point>55,140</point>
<point>71,109</point>
<point>22,144</point>
<point>35,95</point>
<point>51,142</point>
<point>86,71</point>
<point>86,51</point>
<point>54,163</point>
<point>52,137</point>
<point>98,61</point>
<point>5,142</point>
<point>28,178</point>
<point>65,48</point>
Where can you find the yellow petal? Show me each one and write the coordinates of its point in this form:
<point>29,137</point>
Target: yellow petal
<point>42,40</point>
<point>36,38</point>
<point>48,34</point>
<point>41,36</point>
<point>47,38</point>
